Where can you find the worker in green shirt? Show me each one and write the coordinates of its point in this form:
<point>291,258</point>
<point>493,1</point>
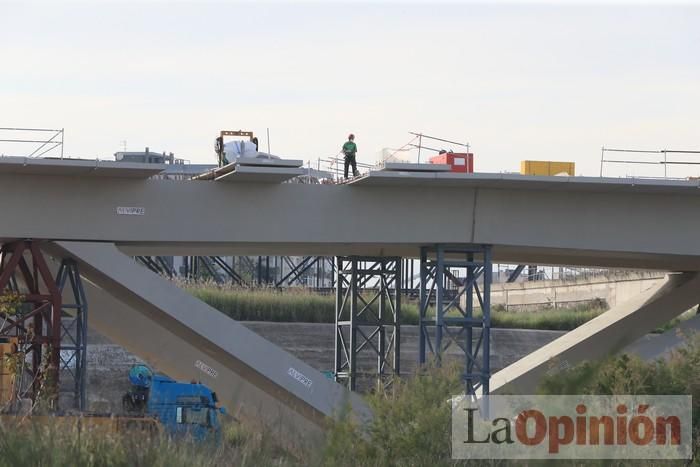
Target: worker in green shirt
<point>350,149</point>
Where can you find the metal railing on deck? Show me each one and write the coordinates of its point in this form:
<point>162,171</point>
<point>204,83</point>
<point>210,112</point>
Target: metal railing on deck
<point>53,142</point>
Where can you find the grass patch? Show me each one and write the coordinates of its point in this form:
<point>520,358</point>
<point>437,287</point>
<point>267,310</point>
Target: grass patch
<point>557,320</point>
<point>295,305</point>
<point>628,374</point>
<point>303,305</point>
<point>54,445</point>
<point>60,443</point>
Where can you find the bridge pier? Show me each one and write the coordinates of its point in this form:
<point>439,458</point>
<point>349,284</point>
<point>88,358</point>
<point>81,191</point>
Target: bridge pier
<point>450,321</point>
<point>369,323</point>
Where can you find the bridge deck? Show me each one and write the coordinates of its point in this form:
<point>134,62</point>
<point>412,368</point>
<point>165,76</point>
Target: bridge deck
<point>543,220</point>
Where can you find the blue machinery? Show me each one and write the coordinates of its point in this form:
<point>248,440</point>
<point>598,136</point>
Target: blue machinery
<point>182,408</point>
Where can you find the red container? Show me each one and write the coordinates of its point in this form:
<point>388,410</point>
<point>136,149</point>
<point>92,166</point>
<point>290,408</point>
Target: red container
<point>462,162</point>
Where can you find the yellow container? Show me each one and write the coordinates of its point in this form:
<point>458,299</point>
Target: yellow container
<point>547,168</point>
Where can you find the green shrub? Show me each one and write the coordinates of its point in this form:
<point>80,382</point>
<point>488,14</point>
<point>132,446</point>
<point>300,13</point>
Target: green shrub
<point>627,374</point>
<point>411,425</point>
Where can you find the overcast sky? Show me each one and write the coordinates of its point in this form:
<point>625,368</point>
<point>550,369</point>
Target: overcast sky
<point>516,81</point>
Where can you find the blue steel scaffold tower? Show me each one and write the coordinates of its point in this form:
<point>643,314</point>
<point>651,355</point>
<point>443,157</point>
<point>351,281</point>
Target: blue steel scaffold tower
<point>367,319</point>
<point>455,319</point>
<point>74,314</point>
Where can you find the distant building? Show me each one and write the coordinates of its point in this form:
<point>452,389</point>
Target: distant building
<point>175,169</point>
<point>145,157</point>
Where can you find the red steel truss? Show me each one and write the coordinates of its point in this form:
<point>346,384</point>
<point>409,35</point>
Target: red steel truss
<point>32,320</point>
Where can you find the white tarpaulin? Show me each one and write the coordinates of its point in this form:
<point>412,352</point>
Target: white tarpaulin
<point>236,149</point>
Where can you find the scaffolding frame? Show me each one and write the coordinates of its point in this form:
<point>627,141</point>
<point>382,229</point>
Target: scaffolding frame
<point>372,325</point>
<point>73,356</point>
<point>451,321</point>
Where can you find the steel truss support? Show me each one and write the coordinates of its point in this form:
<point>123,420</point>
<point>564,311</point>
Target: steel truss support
<point>30,318</point>
<point>250,272</point>
<point>211,267</point>
<point>227,269</point>
<point>263,270</point>
<point>410,286</point>
<point>309,271</point>
<point>516,273</point>
<point>455,319</point>
<point>199,267</point>
<point>369,323</point>
<point>297,272</point>
<point>157,264</point>
<point>73,332</point>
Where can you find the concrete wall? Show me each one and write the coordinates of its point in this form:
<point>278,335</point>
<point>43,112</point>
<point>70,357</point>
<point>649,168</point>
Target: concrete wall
<point>563,294</point>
